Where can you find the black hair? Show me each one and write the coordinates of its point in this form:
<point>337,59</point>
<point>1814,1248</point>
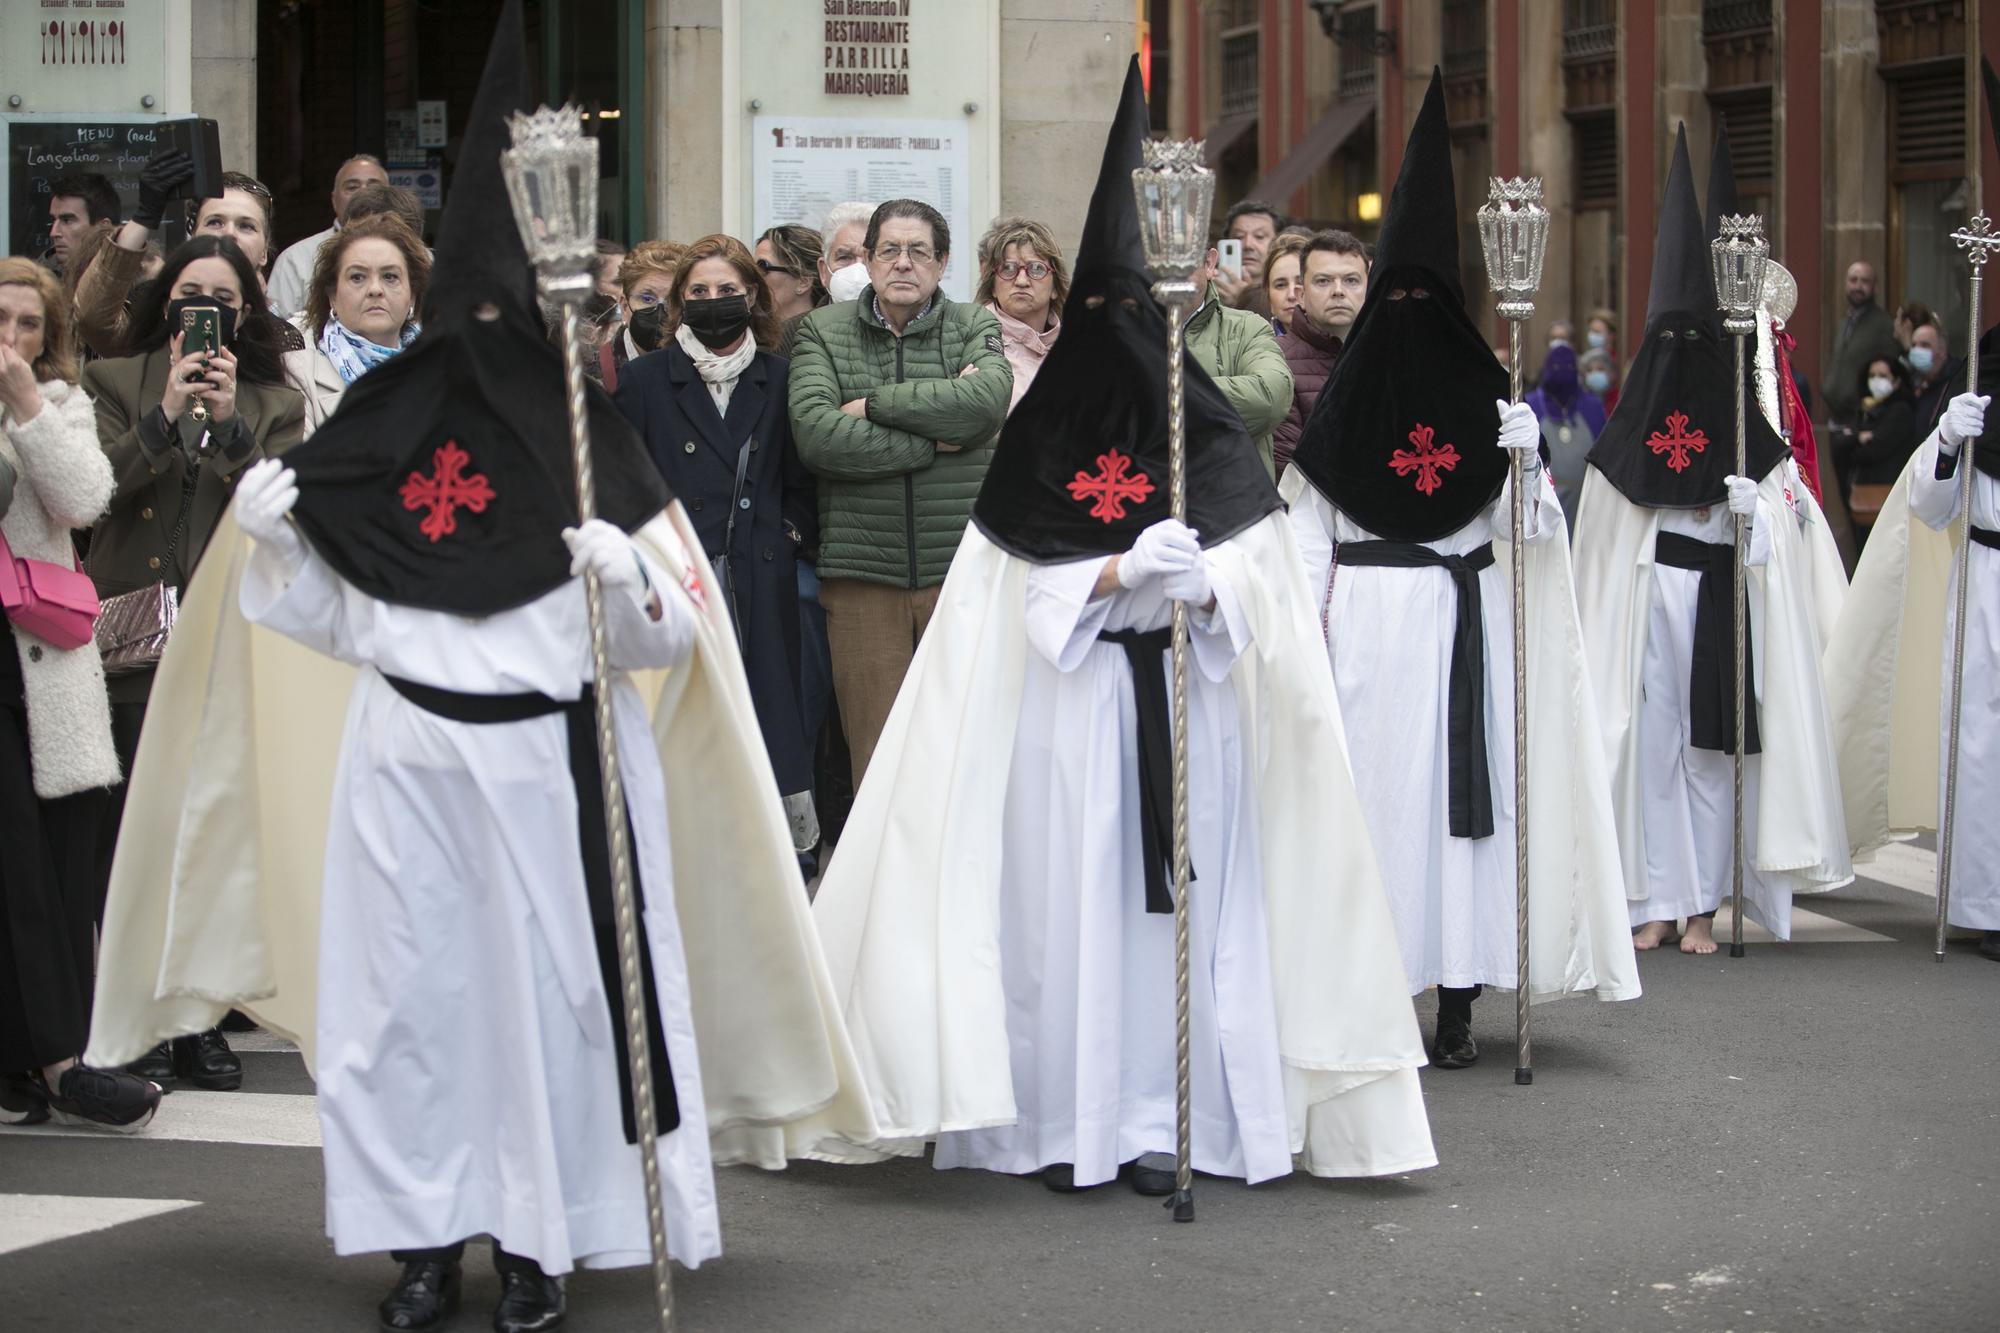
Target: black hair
<point>100,200</point>
<point>916,210</point>
<point>256,346</point>
<point>1248,206</point>
<point>1898,372</point>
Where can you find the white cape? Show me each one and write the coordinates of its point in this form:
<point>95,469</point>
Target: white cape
<point>215,889</point>
<point>1801,834</point>
<point>909,911</point>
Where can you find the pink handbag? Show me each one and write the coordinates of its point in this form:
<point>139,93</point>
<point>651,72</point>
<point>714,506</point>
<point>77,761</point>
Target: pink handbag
<point>56,605</point>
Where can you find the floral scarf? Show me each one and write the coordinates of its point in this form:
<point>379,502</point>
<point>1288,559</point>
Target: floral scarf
<point>353,355</point>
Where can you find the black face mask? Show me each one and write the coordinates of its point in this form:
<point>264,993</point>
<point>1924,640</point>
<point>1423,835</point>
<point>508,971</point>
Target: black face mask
<point>648,327</point>
<point>717,322</point>
<point>226,327</point>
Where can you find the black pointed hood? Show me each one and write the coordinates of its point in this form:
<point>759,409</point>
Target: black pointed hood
<point>1986,455</point>
<point>1720,201</point>
<point>1671,440</point>
<point>1081,467</point>
<point>444,479</point>
<point>1403,439</point>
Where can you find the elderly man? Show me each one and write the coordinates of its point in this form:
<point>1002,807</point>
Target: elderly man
<point>840,249</point>
<point>896,398</point>
<point>1239,352</point>
<point>1333,273</point>
<point>1931,368</point>
<point>1256,224</point>
<point>293,272</point>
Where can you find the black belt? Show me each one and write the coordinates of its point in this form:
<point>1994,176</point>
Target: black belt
<point>1712,676</point>
<point>1152,702</point>
<point>588,777</point>
<point>1986,537</point>
<point>1470,785</point>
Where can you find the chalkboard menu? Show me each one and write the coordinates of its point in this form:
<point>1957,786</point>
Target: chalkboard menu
<point>42,148</point>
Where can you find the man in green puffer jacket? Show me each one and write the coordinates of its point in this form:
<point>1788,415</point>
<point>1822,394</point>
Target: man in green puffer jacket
<point>1242,356</point>
<point>896,400</point>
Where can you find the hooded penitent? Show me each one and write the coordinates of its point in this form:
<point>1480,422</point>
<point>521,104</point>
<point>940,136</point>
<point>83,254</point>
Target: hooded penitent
<point>1672,438</point>
<point>444,480</point>
<point>1401,440</point>
<point>1081,468</point>
<point>1986,454</point>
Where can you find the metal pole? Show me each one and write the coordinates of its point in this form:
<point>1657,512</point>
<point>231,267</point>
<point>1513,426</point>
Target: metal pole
<point>637,1045</point>
<point>1524,1065</point>
<point>1178,297</point>
<point>1740,600</point>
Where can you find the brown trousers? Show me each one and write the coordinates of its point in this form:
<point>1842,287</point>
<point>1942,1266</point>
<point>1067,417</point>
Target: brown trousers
<point>872,630</point>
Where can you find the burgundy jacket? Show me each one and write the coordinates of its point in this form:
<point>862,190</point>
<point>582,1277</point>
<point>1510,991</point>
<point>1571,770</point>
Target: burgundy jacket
<point>1309,355</point>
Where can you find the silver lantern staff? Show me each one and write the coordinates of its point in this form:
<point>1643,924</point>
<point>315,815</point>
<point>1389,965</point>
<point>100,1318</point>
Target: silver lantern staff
<point>1514,233</point>
<point>1978,240</point>
<point>1740,253</point>
<point>552,180</point>
<point>1175,194</point>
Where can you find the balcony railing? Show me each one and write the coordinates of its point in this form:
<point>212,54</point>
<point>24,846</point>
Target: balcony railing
<point>1464,38</point>
<point>1357,55</point>
<point>1719,18</point>
<point>1590,29</point>
<point>1239,72</point>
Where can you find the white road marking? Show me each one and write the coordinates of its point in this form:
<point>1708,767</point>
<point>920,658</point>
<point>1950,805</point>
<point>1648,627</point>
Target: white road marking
<point>1902,865</point>
<point>37,1219</point>
<point>1807,928</point>
<point>271,1119</point>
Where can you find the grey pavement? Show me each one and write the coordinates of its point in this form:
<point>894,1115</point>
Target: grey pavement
<point>1804,1138</point>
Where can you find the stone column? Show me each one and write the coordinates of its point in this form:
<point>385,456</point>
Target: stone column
<point>1681,78</point>
<point>684,183</point>
<point>1854,142</point>
<point>223,37</point>
<point>1548,150</point>
<point>1062,65</point>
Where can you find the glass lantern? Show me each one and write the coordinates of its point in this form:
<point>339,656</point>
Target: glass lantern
<point>552,180</point>
<point>1514,233</point>
<point>1175,194</point>
<point>1740,253</point>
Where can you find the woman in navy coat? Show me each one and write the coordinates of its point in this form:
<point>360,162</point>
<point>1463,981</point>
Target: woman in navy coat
<point>711,406</point>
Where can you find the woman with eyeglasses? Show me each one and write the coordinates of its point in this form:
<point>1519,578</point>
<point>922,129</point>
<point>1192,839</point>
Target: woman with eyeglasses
<point>645,278</point>
<point>788,257</point>
<point>1023,281</point>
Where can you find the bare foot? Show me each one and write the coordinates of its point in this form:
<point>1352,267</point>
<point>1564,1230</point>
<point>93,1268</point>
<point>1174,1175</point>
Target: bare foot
<point>1653,934</point>
<point>1699,938</point>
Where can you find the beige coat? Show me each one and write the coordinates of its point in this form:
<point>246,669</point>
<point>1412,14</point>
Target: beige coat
<point>313,375</point>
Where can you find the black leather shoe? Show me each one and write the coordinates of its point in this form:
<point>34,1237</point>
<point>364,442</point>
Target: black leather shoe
<point>530,1300</point>
<point>1454,1048</point>
<point>206,1061</point>
<point>156,1066</point>
<point>102,1099</point>
<point>1061,1177</point>
<point>1989,945</point>
<point>424,1296</point>
<point>22,1101</point>
<point>1152,1179</point>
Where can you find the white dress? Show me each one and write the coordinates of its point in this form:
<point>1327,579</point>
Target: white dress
<point>1389,634</point>
<point>466,1056</point>
<point>1688,795</point>
<point>1975,847</point>
<point>1088,972</point>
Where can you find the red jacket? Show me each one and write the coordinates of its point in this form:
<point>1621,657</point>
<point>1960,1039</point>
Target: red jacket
<point>1309,355</point>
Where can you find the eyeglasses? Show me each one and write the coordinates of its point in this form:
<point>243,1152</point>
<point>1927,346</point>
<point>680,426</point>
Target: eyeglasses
<point>1011,269</point>
<point>918,253</point>
<point>766,266</point>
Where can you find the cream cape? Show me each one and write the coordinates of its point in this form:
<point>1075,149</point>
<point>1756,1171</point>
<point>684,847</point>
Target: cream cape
<point>215,888</point>
<point>909,911</point>
<point>1883,664</point>
<point>1800,829</point>
<point>1578,939</point>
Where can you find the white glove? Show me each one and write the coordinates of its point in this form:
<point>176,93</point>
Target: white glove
<point>1964,419</point>
<point>1189,585</point>
<point>604,550</point>
<point>1520,430</point>
<point>1742,496</point>
<point>266,493</point>
<point>1168,547</point>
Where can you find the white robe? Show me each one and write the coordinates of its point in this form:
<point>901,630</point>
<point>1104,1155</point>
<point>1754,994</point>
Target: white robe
<point>466,1058</point>
<point>1088,972</point>
<point>1389,635</point>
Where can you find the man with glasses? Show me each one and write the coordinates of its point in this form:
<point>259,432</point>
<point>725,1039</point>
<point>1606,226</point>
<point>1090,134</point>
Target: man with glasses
<point>896,398</point>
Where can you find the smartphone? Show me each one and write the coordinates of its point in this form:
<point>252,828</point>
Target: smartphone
<point>1230,258</point>
<point>201,330</point>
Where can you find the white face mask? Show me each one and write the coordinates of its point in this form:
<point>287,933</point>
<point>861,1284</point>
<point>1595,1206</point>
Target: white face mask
<point>1921,360</point>
<point>844,284</point>
<point>1879,386</point>
<point>1596,338</point>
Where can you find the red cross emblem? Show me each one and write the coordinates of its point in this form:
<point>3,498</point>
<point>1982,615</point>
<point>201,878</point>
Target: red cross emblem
<point>1111,489</point>
<point>1677,442</point>
<point>446,490</point>
<point>1425,459</point>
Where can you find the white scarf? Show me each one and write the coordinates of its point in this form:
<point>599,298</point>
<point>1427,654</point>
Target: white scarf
<point>718,370</point>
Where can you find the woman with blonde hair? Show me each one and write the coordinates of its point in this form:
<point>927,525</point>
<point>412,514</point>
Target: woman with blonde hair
<point>645,277</point>
<point>1024,282</point>
<point>362,302</point>
<point>1284,287</point>
<point>56,755</point>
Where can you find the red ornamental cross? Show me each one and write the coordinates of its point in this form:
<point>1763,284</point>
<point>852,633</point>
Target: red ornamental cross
<point>1425,459</point>
<point>445,491</point>
<point>1111,488</point>
<point>1677,442</point>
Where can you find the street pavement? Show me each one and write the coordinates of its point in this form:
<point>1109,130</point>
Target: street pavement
<point>1804,1138</point>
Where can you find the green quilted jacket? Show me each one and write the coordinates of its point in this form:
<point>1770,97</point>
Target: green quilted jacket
<point>1242,356</point>
<point>892,504</point>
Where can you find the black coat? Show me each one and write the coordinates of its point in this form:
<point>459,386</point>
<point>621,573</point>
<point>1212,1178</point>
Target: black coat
<point>696,449</point>
<point>1891,427</point>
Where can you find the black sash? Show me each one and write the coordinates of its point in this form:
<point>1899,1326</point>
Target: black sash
<point>1712,675</point>
<point>1152,700</point>
<point>1986,537</point>
<point>588,776</point>
<point>1471,786</point>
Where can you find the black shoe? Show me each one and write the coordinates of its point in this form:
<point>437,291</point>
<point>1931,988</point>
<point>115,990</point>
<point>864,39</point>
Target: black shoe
<point>103,1099</point>
<point>530,1300</point>
<point>1061,1177</point>
<point>1152,1179</point>
<point>238,1021</point>
<point>206,1061</point>
<point>424,1296</point>
<point>1454,1048</point>
<point>156,1066</point>
<point>21,1100</point>
<point>1989,945</point>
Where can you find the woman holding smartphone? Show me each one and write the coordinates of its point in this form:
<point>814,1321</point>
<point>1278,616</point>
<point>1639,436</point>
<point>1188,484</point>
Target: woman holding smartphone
<point>179,423</point>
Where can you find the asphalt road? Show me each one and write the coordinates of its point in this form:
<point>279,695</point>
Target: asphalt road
<point>1805,1138</point>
